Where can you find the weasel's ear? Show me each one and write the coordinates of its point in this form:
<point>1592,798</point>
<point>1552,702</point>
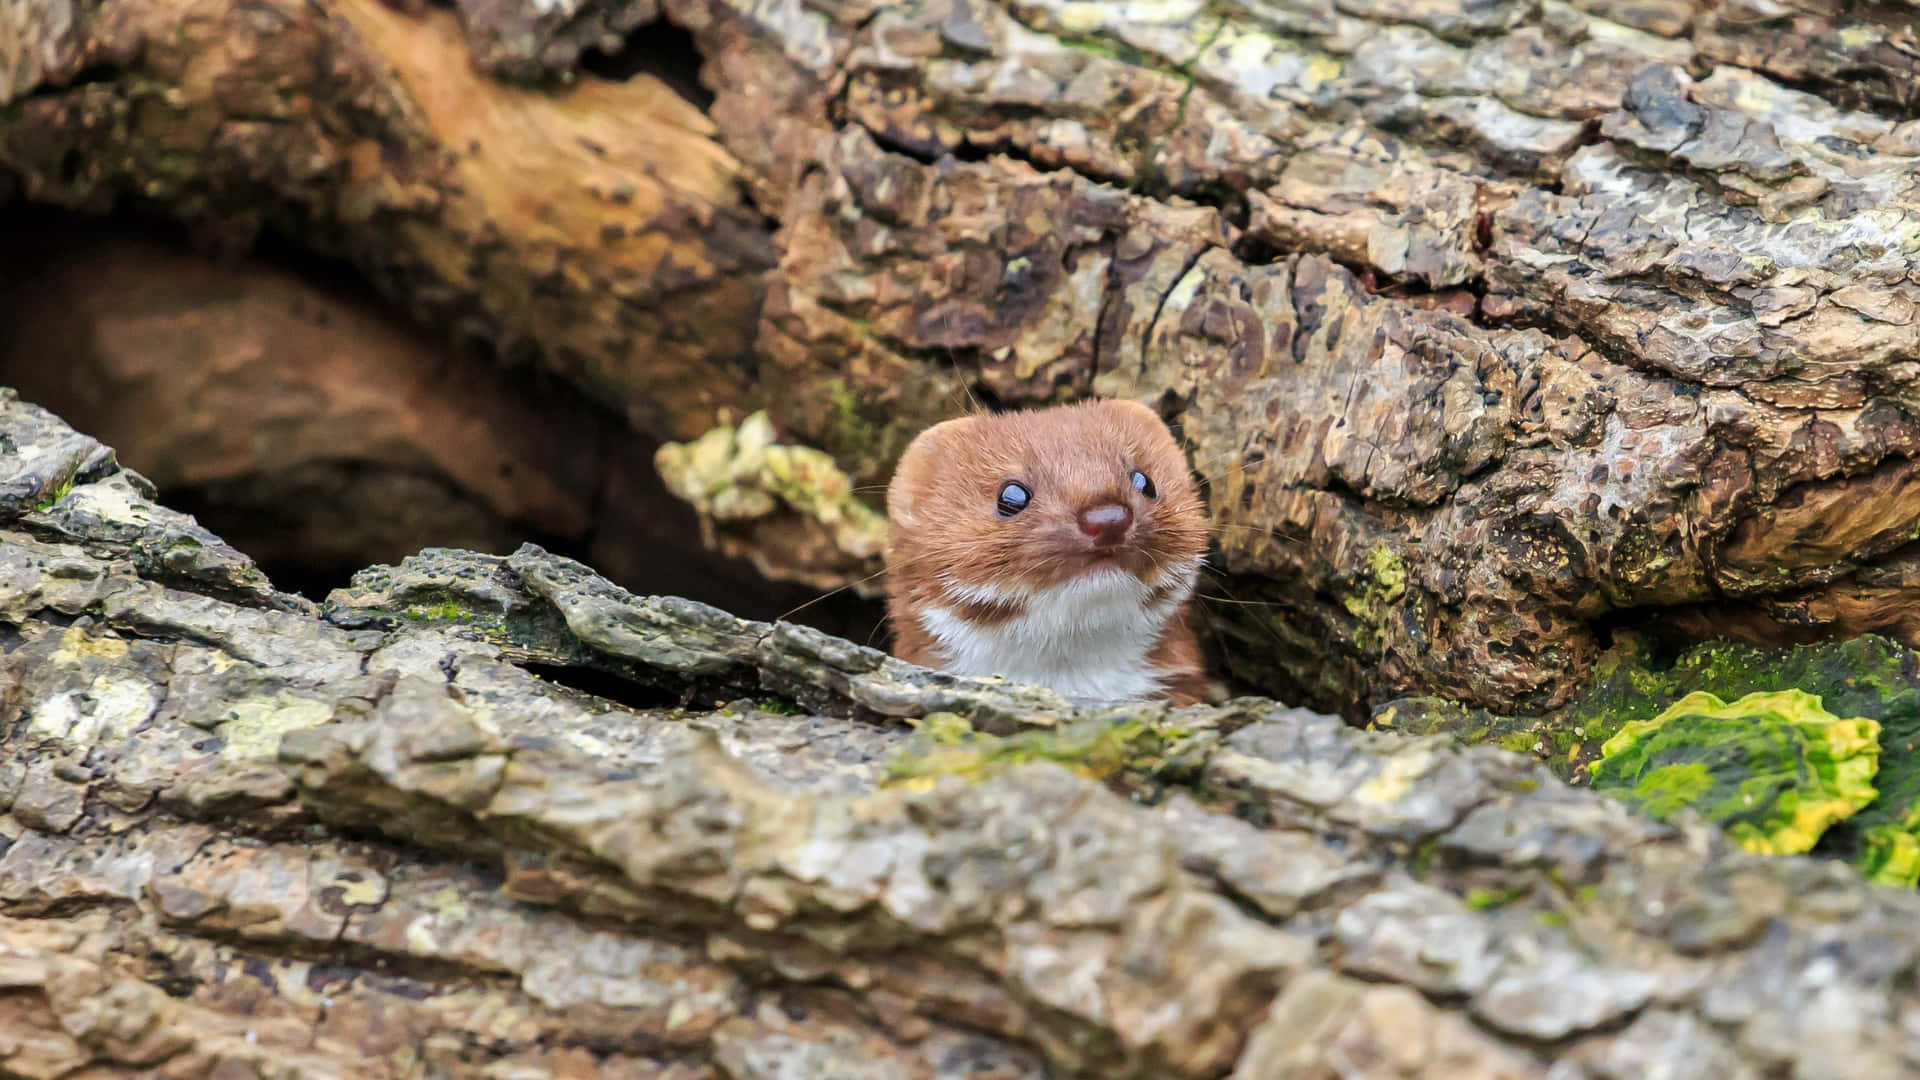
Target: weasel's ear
<point>913,476</point>
<point>1143,420</point>
<point>1132,408</point>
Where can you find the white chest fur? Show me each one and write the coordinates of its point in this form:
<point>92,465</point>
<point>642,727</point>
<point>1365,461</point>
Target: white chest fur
<point>1088,639</point>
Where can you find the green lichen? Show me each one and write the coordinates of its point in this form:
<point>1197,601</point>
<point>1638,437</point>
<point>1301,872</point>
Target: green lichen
<point>1866,676</point>
<point>1667,790</point>
<point>1372,600</point>
<point>1774,769</point>
<point>1889,852</point>
<point>1143,748</point>
<point>945,729</point>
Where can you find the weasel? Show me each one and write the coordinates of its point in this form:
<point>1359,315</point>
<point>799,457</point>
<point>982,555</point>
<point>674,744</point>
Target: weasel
<point>1057,547</point>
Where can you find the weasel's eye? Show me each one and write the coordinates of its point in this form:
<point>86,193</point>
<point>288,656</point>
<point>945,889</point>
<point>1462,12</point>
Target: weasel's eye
<point>1144,485</point>
<point>1013,498</point>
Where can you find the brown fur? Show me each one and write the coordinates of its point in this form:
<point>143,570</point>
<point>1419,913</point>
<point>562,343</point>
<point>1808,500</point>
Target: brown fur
<point>944,530</point>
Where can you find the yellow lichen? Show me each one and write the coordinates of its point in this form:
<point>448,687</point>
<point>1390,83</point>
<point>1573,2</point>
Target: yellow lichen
<point>77,645</point>
<point>1321,69</point>
<point>741,473</point>
<point>1396,778</point>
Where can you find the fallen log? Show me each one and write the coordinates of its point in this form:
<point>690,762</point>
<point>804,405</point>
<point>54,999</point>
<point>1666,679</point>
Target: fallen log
<point>1491,327</point>
<point>391,835</point>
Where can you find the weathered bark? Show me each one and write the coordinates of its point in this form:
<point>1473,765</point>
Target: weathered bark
<point>1484,322</point>
<point>246,836</point>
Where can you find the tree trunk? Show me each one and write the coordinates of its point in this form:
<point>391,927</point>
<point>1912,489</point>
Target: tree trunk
<point>392,837</point>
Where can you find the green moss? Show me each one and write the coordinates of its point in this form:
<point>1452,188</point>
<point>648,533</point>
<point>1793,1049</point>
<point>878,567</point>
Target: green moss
<point>445,611</point>
<point>1775,769</point>
<point>1520,742</point>
<point>53,498</point>
<point>1485,899</point>
<point>851,434</point>
<point>1889,852</point>
<point>1111,49</point>
<point>1423,856</point>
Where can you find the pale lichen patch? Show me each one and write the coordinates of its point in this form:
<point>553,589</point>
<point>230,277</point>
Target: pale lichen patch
<point>253,727</point>
<point>110,708</point>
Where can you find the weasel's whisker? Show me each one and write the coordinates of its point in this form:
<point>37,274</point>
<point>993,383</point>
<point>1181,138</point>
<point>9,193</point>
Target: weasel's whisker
<point>1241,603</point>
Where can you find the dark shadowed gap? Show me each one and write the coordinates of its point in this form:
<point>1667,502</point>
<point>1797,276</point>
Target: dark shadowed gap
<point>313,525</point>
<point>661,49</point>
<point>637,696</point>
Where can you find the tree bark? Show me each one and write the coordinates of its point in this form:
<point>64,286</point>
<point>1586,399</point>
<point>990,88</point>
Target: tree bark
<point>1489,326</point>
<point>249,836</point>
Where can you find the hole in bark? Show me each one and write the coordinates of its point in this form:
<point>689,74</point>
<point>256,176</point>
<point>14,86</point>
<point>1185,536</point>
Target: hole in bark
<point>97,73</point>
<point>661,49</point>
<point>987,399</point>
<point>317,428</point>
<point>602,684</point>
<point>72,163</point>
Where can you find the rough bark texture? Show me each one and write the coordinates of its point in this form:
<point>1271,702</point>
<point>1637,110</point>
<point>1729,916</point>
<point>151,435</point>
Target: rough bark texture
<point>1483,321</point>
<point>245,835</point>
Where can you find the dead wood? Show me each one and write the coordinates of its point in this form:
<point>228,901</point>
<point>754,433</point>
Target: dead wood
<point>1487,324</point>
<point>245,836</point>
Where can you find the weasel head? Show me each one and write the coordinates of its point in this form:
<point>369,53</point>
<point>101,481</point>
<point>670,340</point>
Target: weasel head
<point>997,509</point>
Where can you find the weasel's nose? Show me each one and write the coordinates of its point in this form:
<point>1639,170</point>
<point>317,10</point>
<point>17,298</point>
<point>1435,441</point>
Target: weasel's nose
<point>1106,523</point>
